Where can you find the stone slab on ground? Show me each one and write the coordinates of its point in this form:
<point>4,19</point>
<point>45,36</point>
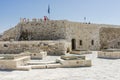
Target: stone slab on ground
<point>38,66</point>
<point>57,65</point>
<point>46,66</point>
<point>24,68</point>
<point>109,54</point>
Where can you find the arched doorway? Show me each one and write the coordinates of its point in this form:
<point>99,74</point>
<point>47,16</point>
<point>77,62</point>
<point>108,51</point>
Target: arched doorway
<point>73,41</point>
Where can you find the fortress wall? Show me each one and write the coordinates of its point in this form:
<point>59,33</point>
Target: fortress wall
<point>88,34</point>
<point>57,47</point>
<point>84,32</point>
<point>109,35</point>
<point>49,30</point>
<point>38,30</point>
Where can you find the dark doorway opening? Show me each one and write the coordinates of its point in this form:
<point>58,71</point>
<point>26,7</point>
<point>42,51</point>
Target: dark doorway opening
<point>73,44</point>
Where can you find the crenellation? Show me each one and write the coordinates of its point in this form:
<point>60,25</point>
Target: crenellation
<point>24,20</point>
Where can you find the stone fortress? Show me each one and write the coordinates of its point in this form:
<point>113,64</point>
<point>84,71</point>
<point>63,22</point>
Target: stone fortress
<point>39,37</point>
<point>80,36</point>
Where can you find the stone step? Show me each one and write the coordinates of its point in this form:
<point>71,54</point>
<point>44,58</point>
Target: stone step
<point>46,66</point>
<point>24,68</point>
<point>72,57</point>
<point>41,63</point>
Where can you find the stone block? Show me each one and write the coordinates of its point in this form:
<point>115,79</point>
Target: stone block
<point>38,66</point>
<point>7,64</point>
<point>108,54</point>
<point>24,68</point>
<point>75,63</point>
<point>12,64</point>
<point>53,65</point>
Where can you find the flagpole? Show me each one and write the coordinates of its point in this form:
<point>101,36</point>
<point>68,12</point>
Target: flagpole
<point>49,11</point>
<point>49,16</point>
<point>84,19</point>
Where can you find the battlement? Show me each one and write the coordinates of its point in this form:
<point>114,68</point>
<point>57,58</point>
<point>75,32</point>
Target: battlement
<point>22,20</point>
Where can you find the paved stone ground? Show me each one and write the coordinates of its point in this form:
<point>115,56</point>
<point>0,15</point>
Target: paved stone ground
<point>102,69</point>
<point>46,59</point>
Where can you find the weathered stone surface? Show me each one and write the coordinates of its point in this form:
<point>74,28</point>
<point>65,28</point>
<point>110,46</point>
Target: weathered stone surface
<point>72,57</point>
<point>110,38</point>
<point>57,65</point>
<point>75,63</point>
<point>40,55</point>
<point>14,63</point>
<point>23,68</point>
<point>109,54</point>
<point>38,66</point>
<point>57,47</point>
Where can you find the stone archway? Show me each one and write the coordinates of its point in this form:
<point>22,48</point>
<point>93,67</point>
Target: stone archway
<point>73,41</point>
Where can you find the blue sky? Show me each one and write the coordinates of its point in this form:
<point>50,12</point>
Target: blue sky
<point>95,11</point>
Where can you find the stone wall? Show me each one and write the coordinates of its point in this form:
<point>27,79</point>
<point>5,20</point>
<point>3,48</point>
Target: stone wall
<point>83,34</point>
<point>38,30</point>
<point>109,37</point>
<point>52,47</point>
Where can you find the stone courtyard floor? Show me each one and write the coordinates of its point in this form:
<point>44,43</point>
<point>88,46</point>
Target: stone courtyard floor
<point>102,69</point>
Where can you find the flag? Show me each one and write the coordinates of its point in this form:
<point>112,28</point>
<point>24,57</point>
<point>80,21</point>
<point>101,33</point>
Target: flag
<point>48,9</point>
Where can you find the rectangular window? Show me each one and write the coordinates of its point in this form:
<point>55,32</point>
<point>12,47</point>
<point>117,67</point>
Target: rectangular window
<point>92,42</point>
<point>80,42</point>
